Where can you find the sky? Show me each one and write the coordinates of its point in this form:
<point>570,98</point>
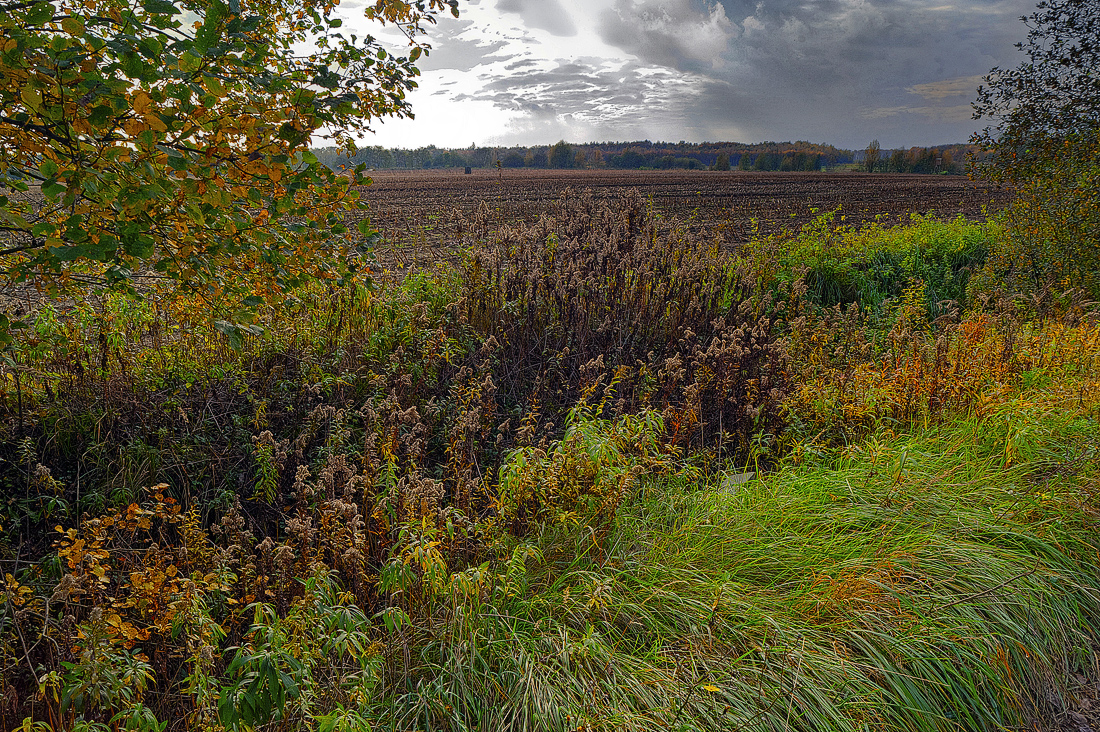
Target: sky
<point>839,72</point>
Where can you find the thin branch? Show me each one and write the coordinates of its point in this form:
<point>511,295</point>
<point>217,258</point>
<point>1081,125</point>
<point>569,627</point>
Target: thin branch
<point>983,593</point>
<point>24,248</point>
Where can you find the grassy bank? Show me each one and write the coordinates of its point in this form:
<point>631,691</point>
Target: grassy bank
<point>499,495</point>
<point>910,582</point>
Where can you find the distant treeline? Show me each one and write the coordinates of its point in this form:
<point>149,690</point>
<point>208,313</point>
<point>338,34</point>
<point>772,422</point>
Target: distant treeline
<point>950,159</point>
<point>646,155</point>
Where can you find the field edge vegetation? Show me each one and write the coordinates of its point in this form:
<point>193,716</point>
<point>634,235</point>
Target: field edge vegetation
<point>514,493</point>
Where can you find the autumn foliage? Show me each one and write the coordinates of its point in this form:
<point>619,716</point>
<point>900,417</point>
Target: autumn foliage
<point>162,146</point>
<point>299,532</point>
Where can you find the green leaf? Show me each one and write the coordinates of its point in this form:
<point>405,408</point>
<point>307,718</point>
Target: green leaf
<point>139,245</point>
<point>43,229</point>
<point>210,32</point>
<point>100,115</point>
<point>39,13</point>
<point>52,189</point>
<point>214,84</point>
<point>160,7</point>
<point>69,254</point>
<point>189,62</point>
<point>235,333</point>
<point>73,25</point>
<point>132,65</point>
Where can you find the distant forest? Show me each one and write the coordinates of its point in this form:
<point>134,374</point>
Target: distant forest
<point>646,155</point>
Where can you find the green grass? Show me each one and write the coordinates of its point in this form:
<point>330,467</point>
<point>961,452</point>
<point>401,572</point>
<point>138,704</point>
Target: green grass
<point>587,577</point>
<point>907,583</point>
<point>868,265</point>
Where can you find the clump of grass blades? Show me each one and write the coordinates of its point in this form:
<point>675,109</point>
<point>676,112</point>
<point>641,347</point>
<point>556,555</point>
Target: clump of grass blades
<point>867,266</point>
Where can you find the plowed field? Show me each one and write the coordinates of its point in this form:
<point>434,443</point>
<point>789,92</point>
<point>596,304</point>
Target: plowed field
<point>419,207</point>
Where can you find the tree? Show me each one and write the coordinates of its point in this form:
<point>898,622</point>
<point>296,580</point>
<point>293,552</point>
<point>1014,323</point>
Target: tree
<point>512,159</point>
<point>871,156</point>
<point>536,158</point>
<point>1045,143</point>
<point>722,163</point>
<point>561,155</point>
<point>1053,96</point>
<point>898,162</point>
<point>167,142</point>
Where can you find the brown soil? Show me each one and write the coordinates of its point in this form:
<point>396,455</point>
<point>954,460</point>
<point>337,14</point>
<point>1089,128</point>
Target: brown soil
<point>419,211</point>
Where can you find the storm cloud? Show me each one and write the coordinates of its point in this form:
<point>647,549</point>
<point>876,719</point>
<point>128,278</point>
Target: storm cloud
<point>834,71</point>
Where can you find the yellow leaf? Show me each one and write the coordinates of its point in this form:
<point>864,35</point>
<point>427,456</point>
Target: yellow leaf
<point>133,127</point>
<point>73,25</point>
<point>31,97</point>
<point>155,123</point>
<point>711,688</point>
<point>141,102</point>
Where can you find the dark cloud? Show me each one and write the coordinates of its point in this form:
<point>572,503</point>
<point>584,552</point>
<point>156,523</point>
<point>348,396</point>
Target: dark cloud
<point>805,68</point>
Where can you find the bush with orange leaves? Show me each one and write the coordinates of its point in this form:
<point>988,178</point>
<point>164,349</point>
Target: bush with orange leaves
<point>852,378</point>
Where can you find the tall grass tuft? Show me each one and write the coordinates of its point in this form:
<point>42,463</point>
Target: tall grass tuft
<point>911,583</point>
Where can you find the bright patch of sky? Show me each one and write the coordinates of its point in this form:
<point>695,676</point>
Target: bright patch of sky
<point>530,72</point>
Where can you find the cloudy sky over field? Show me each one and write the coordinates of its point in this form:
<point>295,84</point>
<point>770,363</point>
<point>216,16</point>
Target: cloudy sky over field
<point>832,71</point>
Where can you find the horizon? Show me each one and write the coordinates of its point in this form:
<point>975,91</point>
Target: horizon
<point>711,143</point>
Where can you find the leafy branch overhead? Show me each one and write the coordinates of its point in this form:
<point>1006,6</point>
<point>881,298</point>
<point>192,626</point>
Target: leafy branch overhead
<point>1051,97</point>
<point>1045,137</point>
<point>172,139</point>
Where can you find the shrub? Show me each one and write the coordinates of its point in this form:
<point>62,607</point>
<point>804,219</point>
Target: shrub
<point>603,292</point>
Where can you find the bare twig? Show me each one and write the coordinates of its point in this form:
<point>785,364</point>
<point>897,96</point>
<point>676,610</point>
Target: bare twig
<point>983,593</point>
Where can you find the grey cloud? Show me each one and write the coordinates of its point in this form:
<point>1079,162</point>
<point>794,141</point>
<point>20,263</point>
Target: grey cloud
<point>946,88</point>
<point>520,64</point>
<point>588,99</point>
<point>951,113</point>
<point>452,50</point>
<point>674,33</point>
<point>547,15</point>
<point>780,69</point>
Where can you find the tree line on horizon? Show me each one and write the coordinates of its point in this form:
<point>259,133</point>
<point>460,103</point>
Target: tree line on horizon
<point>800,156</point>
